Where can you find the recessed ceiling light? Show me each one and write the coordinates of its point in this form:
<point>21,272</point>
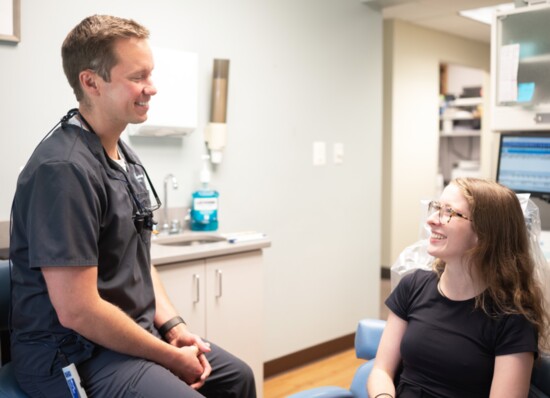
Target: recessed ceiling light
<point>485,14</point>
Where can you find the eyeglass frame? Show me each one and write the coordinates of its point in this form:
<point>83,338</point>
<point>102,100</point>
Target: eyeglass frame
<point>452,212</point>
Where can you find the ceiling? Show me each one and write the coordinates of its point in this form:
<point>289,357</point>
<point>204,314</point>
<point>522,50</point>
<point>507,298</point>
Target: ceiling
<point>441,15</point>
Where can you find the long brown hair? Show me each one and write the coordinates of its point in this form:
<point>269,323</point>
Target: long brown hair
<point>502,255</point>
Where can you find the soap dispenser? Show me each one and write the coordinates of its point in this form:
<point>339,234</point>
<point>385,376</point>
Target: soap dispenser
<point>204,207</point>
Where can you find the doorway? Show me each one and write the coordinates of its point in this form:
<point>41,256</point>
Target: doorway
<point>460,116</point>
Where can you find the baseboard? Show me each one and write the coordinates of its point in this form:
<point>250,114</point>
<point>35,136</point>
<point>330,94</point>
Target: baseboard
<point>311,354</point>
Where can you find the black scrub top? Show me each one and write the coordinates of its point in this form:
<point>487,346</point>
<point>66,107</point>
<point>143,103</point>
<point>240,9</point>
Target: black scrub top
<point>73,207</point>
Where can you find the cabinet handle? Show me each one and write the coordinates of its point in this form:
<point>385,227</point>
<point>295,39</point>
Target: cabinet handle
<point>542,118</point>
<point>219,283</point>
<point>197,287</point>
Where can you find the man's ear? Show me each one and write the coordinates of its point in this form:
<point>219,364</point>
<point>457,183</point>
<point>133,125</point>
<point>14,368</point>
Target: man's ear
<point>88,82</point>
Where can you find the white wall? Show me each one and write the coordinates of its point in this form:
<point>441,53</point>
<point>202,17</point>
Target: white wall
<point>411,126</point>
<point>301,71</point>
<point>459,77</point>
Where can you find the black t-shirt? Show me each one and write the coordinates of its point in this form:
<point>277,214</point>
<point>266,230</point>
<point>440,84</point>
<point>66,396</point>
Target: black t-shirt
<point>74,207</point>
<point>449,347</point>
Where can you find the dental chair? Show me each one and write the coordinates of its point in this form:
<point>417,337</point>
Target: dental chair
<point>8,385</point>
<point>367,339</point>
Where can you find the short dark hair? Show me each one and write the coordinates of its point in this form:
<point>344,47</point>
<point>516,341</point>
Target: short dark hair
<point>89,45</point>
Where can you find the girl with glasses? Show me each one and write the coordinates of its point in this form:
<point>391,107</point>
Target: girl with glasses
<point>474,325</point>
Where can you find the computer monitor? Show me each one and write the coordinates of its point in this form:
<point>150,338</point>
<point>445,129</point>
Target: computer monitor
<point>524,163</point>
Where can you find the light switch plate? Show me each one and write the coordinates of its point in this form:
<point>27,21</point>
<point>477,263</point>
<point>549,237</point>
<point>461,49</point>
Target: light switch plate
<point>319,153</point>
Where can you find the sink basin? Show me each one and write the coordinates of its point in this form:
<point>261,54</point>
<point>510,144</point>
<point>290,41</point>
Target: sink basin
<point>189,240</point>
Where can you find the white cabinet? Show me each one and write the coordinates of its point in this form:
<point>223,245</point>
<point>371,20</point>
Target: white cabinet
<point>185,285</point>
<point>174,109</point>
<point>520,60</point>
<point>221,299</point>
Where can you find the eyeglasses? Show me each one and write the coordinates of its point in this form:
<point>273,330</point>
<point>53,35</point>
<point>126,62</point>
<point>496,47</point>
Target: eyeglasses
<point>445,212</point>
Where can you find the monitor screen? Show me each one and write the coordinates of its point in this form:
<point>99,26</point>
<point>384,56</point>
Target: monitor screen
<point>524,163</point>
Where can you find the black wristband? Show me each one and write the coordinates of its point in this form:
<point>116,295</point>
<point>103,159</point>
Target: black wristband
<point>170,324</point>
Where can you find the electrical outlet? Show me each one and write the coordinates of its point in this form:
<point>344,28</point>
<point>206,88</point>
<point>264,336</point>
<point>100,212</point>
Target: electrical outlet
<point>338,153</point>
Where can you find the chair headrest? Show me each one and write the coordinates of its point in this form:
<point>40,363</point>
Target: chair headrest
<point>367,337</point>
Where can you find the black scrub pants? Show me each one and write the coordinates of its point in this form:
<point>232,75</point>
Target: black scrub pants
<point>112,375</point>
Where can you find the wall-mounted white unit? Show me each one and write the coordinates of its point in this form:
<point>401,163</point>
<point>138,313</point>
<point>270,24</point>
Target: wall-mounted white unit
<point>174,109</point>
<point>520,61</point>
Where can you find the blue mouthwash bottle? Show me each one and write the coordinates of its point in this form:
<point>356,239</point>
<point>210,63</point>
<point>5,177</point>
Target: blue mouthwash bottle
<point>204,209</point>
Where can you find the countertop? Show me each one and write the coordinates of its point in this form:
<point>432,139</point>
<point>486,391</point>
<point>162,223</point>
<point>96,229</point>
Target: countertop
<point>162,254</point>
<point>165,250</point>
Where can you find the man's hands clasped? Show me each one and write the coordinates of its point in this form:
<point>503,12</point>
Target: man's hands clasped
<point>192,367</point>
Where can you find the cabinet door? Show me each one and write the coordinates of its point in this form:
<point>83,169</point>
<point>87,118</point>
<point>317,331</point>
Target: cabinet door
<point>235,307</point>
<point>185,285</point>
<point>520,52</point>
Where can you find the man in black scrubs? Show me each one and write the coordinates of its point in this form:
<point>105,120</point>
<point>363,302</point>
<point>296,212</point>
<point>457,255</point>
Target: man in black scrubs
<point>84,291</point>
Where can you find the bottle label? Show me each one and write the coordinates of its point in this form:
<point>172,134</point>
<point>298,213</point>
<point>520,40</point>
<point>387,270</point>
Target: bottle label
<point>205,204</point>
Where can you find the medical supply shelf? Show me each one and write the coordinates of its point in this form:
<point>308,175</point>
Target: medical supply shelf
<point>461,118</point>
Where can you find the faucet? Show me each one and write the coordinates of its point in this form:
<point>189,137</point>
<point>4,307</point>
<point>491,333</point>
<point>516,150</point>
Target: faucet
<point>166,224</point>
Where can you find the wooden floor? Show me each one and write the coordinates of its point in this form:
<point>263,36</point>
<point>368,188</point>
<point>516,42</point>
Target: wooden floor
<point>336,370</point>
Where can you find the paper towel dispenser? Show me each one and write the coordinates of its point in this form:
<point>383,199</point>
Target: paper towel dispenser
<point>174,109</point>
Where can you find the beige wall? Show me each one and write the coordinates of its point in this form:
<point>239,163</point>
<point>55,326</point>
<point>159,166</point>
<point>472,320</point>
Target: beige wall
<point>411,128</point>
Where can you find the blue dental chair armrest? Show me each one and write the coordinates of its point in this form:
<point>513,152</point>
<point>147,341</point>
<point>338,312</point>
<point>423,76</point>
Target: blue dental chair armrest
<point>8,385</point>
<point>367,338</point>
<point>324,392</point>
<point>358,386</point>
